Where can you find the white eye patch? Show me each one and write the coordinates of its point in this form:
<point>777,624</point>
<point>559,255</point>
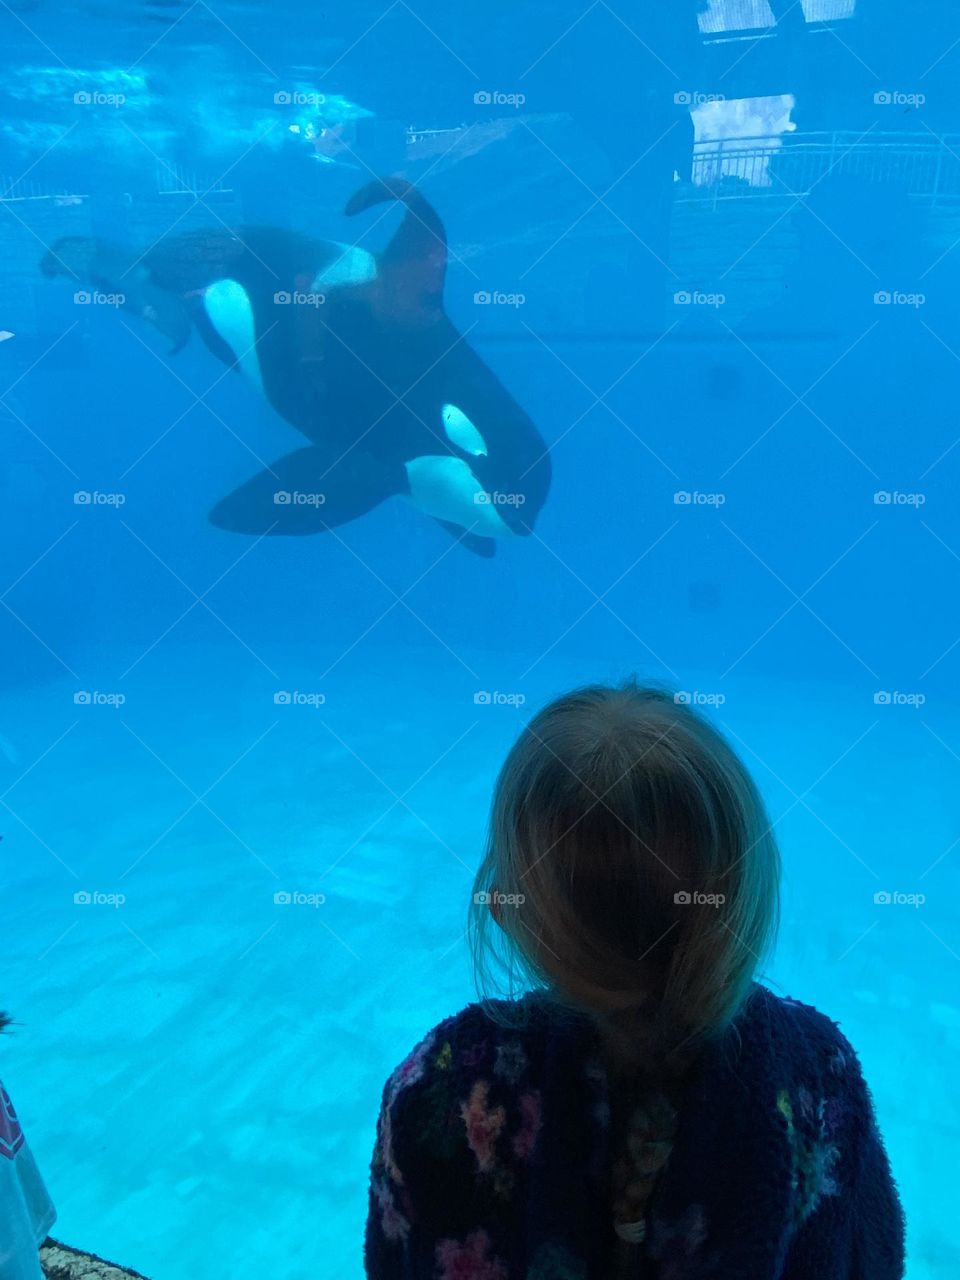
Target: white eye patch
<point>228,306</point>
<point>461,432</point>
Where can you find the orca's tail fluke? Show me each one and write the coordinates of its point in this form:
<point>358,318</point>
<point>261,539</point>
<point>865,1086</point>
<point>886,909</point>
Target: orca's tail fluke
<point>414,263</point>
<point>95,265</point>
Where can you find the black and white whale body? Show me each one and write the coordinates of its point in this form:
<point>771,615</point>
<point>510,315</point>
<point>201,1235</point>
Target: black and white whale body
<point>356,352</point>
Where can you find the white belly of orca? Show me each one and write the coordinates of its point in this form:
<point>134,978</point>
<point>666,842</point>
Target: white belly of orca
<point>228,308</point>
<point>444,487</point>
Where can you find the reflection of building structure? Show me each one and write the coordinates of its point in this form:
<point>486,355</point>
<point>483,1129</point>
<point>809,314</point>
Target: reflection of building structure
<point>445,147</point>
<point>176,180</point>
<point>920,164</point>
<point>14,191</point>
<point>36,217</point>
<point>423,144</point>
<point>860,175</point>
<point>182,200</point>
<point>744,19</point>
<point>768,217</point>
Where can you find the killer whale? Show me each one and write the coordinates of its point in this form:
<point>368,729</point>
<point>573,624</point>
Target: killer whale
<point>355,350</point>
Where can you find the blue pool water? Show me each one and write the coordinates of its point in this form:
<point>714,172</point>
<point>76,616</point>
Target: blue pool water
<point>710,251</point>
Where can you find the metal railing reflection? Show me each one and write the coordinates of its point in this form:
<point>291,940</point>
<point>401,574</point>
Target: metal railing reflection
<point>922,164</point>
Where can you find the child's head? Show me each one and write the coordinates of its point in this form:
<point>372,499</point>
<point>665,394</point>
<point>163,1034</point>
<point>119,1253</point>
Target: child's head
<point>631,866</point>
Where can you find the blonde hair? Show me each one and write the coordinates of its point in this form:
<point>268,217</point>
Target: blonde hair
<point>632,869</point>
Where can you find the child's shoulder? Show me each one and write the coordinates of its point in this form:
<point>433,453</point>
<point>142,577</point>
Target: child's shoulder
<point>776,1035</point>
<point>481,1036</point>
<point>801,1035</point>
<point>798,1016</point>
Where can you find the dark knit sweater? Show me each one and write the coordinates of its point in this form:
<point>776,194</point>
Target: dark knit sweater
<point>494,1154</point>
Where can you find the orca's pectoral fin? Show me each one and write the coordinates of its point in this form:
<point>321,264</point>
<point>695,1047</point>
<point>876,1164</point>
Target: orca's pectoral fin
<point>307,491</point>
<point>485,547</point>
<point>166,312</point>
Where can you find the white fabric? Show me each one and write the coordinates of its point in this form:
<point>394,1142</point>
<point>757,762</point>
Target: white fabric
<point>26,1210</point>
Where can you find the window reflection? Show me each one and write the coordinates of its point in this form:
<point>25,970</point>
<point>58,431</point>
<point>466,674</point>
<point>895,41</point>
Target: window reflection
<point>758,15</point>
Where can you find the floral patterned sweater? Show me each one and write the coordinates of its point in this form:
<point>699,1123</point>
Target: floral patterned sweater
<point>495,1158</point>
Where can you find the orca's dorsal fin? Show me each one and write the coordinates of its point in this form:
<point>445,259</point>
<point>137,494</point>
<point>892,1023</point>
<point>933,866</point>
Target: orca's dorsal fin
<point>413,266</point>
